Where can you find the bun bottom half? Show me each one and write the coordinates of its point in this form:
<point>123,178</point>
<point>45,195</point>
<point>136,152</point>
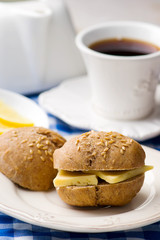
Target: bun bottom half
<point>103,194</point>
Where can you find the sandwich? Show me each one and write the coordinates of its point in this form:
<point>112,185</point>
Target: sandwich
<point>99,169</point>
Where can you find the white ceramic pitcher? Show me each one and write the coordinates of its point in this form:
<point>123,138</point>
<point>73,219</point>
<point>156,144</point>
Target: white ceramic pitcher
<point>37,48</point>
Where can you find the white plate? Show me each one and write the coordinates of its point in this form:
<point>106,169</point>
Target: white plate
<point>25,107</point>
<point>47,210</point>
<point>70,101</point>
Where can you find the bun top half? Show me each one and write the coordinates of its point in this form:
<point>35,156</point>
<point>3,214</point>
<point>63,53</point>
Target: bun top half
<point>99,151</point>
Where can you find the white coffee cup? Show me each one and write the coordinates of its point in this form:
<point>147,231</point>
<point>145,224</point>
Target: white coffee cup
<point>123,87</point>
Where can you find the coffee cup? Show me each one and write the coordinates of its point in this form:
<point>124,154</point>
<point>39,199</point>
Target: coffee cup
<point>123,86</point>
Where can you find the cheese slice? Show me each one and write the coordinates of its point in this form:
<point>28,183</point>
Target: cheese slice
<point>66,178</point>
<point>119,176</point>
<point>11,118</point>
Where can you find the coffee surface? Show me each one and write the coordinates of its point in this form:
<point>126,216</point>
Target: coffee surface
<point>124,47</point>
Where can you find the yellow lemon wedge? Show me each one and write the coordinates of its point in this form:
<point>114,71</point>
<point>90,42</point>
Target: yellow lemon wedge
<point>4,128</point>
<point>11,118</point>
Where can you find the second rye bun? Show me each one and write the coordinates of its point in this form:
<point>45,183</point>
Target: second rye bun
<point>100,151</point>
<point>26,156</point>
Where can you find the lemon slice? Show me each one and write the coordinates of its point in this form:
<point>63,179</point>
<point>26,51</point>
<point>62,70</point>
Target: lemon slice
<point>11,118</point>
<point>4,128</point>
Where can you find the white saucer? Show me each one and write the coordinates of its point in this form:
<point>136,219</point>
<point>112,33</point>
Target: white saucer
<point>26,107</point>
<point>70,102</point>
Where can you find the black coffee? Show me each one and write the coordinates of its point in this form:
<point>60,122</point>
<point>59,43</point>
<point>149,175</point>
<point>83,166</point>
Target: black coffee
<point>124,47</point>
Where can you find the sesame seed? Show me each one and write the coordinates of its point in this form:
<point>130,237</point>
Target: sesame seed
<point>123,141</point>
<point>114,135</point>
<point>94,154</point>
<point>106,149</point>
<point>121,151</point>
<point>30,145</point>
<point>30,158</point>
<point>23,141</point>
<point>39,152</point>
<point>78,148</point>
<point>106,144</point>
<point>31,151</point>
<point>116,145</point>
<point>46,152</point>
<point>51,159</point>
<point>47,142</point>
<point>107,138</point>
<point>111,141</point>
<point>45,148</point>
<point>42,158</point>
<point>99,143</point>
<point>40,145</point>
<point>44,137</point>
<point>77,141</point>
<point>119,137</point>
<point>50,152</point>
<point>123,147</point>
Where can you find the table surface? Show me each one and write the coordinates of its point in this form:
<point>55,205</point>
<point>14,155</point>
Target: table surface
<point>11,228</point>
<point>85,13</point>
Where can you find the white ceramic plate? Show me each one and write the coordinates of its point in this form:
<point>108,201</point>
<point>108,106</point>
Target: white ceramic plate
<point>46,209</point>
<point>25,107</point>
<point>70,101</point>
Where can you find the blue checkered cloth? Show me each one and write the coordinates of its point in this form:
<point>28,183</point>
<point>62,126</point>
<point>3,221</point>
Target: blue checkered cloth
<point>11,228</point>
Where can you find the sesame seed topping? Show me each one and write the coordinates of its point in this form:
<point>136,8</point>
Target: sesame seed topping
<point>46,152</point>
<point>47,142</point>
<point>119,137</point>
<point>116,145</point>
<point>99,143</point>
<point>77,141</point>
<point>123,141</point>
<point>40,145</point>
<point>50,152</point>
<point>31,151</point>
<point>121,151</point>
<point>23,141</point>
<point>78,148</point>
<point>107,138</point>
<point>123,147</point>
<point>30,145</point>
<point>30,158</point>
<point>45,148</point>
<point>106,149</point>
<point>39,152</point>
<point>114,135</point>
<point>42,158</point>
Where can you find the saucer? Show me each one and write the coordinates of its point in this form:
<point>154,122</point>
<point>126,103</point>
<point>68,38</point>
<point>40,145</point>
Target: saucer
<point>70,101</point>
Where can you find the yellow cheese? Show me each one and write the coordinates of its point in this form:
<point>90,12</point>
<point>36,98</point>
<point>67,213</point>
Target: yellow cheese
<point>65,178</point>
<point>119,176</point>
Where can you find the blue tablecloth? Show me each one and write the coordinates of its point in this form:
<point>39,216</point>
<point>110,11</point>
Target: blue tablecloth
<point>11,228</point>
